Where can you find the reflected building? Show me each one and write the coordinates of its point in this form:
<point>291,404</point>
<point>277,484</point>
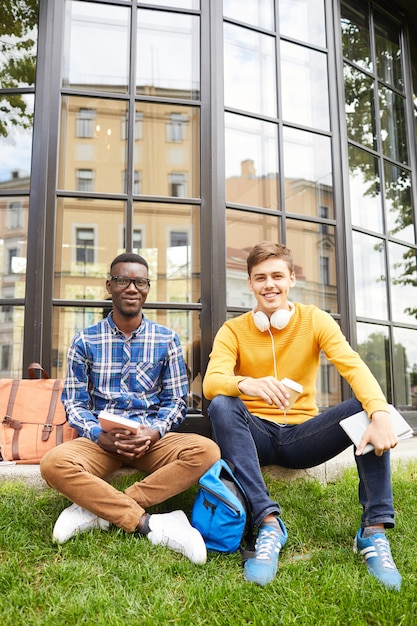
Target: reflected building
<point>132,132</point>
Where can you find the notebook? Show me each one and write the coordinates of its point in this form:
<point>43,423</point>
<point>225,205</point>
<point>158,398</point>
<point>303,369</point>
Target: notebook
<point>355,425</point>
<point>109,420</point>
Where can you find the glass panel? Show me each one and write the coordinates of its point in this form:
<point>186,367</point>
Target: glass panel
<point>93,145</point>
<point>307,101</point>
<point>67,321</point>
<point>405,367</point>
<point>190,334</point>
<point>243,230</point>
<point>96,47</point>
<point>13,245</point>
<point>303,20</point>
<point>314,249</point>
<point>388,51</point>
<point>259,13</point>
<point>393,125</point>
<point>19,33</point>
<point>178,4</point>
<point>308,174</point>
<point>403,271</point>
<point>170,238</point>
<point>370,276</point>
<point>249,71</point>
<point>167,157</point>
<point>11,340</point>
<point>398,202</point>
<point>355,33</point>
<point>328,385</point>
<point>359,107</point>
<point>251,148</point>
<point>16,119</point>
<point>365,190</point>
<point>373,347</point>
<point>89,234</point>
<point>168,55</point>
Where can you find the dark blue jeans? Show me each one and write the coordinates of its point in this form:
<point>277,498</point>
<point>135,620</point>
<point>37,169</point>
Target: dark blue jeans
<point>250,442</point>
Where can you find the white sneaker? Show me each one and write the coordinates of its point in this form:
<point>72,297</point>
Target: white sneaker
<point>175,531</point>
<point>74,520</point>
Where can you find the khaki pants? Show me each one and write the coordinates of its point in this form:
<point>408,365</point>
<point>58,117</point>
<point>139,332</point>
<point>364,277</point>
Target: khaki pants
<point>77,470</point>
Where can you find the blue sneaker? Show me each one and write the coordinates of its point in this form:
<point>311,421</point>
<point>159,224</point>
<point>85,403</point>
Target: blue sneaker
<point>261,569</point>
<point>377,554</point>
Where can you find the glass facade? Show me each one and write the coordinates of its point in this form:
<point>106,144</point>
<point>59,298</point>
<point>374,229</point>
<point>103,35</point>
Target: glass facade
<point>189,130</point>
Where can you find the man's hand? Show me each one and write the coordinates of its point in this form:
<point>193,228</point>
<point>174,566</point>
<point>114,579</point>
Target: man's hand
<point>268,388</point>
<point>380,433</point>
<point>126,444</point>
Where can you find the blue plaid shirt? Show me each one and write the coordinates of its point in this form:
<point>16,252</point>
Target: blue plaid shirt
<point>143,378</point>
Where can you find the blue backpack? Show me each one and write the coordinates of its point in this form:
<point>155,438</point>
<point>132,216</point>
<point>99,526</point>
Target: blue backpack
<point>221,511</point>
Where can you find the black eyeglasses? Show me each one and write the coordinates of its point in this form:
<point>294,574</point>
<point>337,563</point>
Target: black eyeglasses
<point>124,281</point>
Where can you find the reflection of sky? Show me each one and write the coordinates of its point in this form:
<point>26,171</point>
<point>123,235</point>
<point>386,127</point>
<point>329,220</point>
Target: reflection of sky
<point>16,148</point>
<point>247,138</point>
<point>307,156</point>
<point>168,50</point>
<point>303,20</point>
<point>99,43</point>
<point>249,71</point>
<point>370,277</point>
<point>259,13</point>
<point>305,97</point>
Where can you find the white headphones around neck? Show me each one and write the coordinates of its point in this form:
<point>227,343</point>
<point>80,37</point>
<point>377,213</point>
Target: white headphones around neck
<point>279,319</point>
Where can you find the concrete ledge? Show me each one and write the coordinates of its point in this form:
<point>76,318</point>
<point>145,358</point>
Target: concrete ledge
<point>405,452</point>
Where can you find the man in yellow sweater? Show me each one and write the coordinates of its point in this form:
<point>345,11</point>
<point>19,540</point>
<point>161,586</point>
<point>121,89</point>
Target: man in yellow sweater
<point>254,424</point>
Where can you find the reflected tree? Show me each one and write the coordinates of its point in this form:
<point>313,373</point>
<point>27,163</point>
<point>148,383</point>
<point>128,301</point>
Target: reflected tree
<point>18,23</point>
<point>375,352</point>
<point>361,125</point>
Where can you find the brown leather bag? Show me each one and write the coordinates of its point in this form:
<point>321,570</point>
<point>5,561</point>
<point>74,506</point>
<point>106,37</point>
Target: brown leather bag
<point>32,417</point>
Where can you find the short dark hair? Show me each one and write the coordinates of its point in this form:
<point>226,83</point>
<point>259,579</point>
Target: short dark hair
<point>129,257</point>
<point>266,249</point>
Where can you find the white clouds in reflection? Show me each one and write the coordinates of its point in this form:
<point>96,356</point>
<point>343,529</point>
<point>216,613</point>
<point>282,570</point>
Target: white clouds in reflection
<point>97,44</point>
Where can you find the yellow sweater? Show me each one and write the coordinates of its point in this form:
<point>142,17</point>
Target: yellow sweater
<point>240,350</point>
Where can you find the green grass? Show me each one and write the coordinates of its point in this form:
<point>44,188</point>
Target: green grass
<point>117,579</point>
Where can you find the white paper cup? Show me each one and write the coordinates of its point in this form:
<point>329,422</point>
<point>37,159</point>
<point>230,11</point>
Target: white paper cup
<point>294,389</point>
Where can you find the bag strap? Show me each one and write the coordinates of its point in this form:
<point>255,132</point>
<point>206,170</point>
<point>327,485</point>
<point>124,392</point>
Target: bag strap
<point>35,368</point>
<point>10,405</point>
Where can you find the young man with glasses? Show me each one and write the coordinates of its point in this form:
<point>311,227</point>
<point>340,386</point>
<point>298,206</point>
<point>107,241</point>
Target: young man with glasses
<point>131,367</point>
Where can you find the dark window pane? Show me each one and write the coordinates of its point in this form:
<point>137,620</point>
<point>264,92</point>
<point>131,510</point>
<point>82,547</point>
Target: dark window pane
<point>355,33</point>
<point>403,275</point>
<point>373,347</point>
<point>359,106</point>
<point>388,51</point>
<point>399,208</point>
<point>405,367</point>
<point>393,126</point>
